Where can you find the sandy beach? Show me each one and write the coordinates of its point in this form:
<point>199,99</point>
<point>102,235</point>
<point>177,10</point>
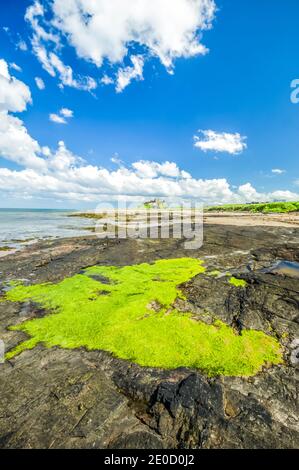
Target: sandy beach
<point>245,219</point>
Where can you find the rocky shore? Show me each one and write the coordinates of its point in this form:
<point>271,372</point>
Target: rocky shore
<point>57,398</point>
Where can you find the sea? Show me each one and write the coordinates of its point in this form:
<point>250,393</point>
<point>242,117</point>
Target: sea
<point>19,226</point>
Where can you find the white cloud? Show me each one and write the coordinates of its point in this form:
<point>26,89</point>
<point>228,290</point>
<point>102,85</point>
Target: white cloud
<point>167,30</point>
<point>33,13</point>
<point>22,45</point>
<point>49,59</point>
<point>127,74</point>
<point>117,161</point>
<point>54,66</point>
<point>14,94</point>
<point>250,194</point>
<point>106,80</point>
<point>65,73</point>
<point>57,119</point>
<point>4,69</point>
<point>103,30</point>
<point>65,176</point>
<point>16,144</point>
<point>209,140</point>
<point>15,66</point>
<point>40,83</point>
<point>284,196</point>
<point>62,116</point>
<point>147,169</point>
<point>59,174</point>
<point>68,113</point>
<point>62,159</point>
<point>278,171</point>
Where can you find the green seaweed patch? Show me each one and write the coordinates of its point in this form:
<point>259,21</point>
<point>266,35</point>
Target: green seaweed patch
<point>125,324</point>
<point>238,282</point>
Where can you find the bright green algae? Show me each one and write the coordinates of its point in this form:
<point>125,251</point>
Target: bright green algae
<point>265,208</point>
<point>237,282</point>
<point>118,317</point>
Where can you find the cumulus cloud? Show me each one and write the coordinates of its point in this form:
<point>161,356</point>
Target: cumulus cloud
<point>67,178</point>
<point>40,83</point>
<point>147,169</point>
<point>63,159</point>
<point>277,171</point>
<point>4,70</point>
<point>104,31</point>
<point>284,196</point>
<point>250,194</point>
<point>167,30</point>
<point>62,116</point>
<point>16,144</point>
<point>60,174</point>
<point>68,113</point>
<point>14,94</point>
<point>208,140</point>
<point>57,119</point>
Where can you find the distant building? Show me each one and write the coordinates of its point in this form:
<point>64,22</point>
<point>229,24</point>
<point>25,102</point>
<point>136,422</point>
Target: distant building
<point>155,204</point>
<point>250,203</point>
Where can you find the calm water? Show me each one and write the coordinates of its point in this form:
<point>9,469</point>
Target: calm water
<point>284,268</point>
<point>17,225</point>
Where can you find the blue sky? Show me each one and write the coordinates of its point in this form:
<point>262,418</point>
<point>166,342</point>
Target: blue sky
<point>240,87</point>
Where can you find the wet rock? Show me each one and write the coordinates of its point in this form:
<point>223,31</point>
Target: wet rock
<point>30,310</point>
<point>55,398</point>
<point>284,268</point>
<point>155,306</point>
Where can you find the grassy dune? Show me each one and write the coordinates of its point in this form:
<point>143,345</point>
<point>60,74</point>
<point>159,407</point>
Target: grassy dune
<point>264,208</point>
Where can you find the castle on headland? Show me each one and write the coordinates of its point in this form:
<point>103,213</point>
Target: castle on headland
<point>155,204</point>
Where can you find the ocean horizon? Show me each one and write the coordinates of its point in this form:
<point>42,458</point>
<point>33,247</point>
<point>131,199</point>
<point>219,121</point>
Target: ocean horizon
<point>19,226</point>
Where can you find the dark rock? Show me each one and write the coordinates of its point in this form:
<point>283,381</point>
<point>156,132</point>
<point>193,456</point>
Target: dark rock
<point>55,398</point>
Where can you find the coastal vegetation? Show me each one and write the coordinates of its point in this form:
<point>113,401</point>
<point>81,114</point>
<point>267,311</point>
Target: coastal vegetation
<point>129,311</point>
<point>265,208</point>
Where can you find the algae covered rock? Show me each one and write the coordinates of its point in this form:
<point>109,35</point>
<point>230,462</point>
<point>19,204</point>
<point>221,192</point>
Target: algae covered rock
<point>122,323</point>
<point>71,395</point>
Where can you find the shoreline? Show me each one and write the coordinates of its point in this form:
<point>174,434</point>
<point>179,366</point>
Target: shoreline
<point>233,219</point>
<point>220,217</point>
